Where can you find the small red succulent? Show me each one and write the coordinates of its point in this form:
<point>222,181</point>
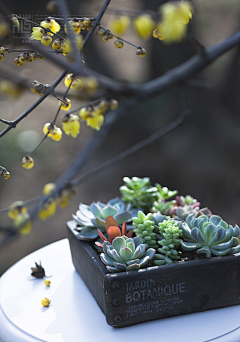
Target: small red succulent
<point>113,231</point>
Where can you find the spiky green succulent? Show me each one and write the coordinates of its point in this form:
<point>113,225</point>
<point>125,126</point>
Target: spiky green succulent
<point>89,218</point>
<point>144,228</point>
<point>126,254</point>
<point>169,243</point>
<point>209,235</point>
<point>138,192</point>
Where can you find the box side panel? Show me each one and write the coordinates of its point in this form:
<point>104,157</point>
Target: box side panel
<point>87,265</point>
<point>170,290</point>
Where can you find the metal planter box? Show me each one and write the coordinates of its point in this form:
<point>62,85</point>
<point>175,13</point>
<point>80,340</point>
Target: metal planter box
<point>129,298</point>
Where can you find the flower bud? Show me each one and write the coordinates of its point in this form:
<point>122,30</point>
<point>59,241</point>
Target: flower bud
<point>141,52</point>
<point>118,44</point>
<point>49,189</point>
<point>27,162</point>
<point>47,282</point>
<point>45,302</point>
<point>1,57</point>
<point>66,105</point>
<point>114,104</point>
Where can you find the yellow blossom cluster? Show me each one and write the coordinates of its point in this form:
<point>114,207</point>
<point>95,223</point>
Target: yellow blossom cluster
<point>42,32</point>
<point>88,85</point>
<point>93,115</point>
<point>175,17</point>
<point>55,132</point>
<point>62,200</point>
<point>78,25</point>
<point>18,213</point>
<point>27,57</point>
<point>65,46</point>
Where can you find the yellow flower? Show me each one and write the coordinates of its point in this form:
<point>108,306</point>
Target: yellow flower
<point>96,121</point>
<point>56,44</point>
<point>175,17</point>
<point>141,52</point>
<point>27,162</point>
<point>75,27</point>
<point>119,24</point>
<point>47,282</point>
<point>55,133</point>
<point>15,209</point>
<point>19,220</point>
<point>37,33</point>
<point>68,80</point>
<point>1,57</point>
<point>84,113</point>
<point>47,210</point>
<point>158,34</point>
<point>77,84</point>
<point>144,26</point>
<point>45,302</point>
<point>52,25</point>
<point>46,40</point>
<point>66,106</point>
<point>71,125</point>
<point>64,198</point>
<point>48,189</point>
<point>66,46</point>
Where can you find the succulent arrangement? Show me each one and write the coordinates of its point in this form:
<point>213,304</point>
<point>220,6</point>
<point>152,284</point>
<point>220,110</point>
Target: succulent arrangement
<point>164,225</point>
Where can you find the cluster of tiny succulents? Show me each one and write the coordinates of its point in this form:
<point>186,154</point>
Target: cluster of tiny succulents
<point>131,237</point>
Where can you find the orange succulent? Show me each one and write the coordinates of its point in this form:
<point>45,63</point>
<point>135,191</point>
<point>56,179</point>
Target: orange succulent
<point>113,231</point>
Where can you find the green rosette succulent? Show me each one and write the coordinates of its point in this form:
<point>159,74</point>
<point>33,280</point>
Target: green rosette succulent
<point>126,254</point>
<point>209,235</point>
<point>169,243</point>
<point>144,228</point>
<point>90,218</point>
<point>138,192</point>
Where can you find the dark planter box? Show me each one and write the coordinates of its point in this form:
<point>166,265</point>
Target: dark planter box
<point>129,298</point>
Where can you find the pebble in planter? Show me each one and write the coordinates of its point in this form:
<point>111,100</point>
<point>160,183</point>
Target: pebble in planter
<point>210,236</point>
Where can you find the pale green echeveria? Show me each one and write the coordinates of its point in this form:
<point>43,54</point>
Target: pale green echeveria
<point>209,235</point>
<point>126,254</point>
<point>91,217</point>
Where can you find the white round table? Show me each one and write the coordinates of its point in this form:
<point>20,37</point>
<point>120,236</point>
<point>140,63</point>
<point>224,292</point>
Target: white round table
<point>74,316</point>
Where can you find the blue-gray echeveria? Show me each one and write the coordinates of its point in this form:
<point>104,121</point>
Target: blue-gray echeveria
<point>92,217</point>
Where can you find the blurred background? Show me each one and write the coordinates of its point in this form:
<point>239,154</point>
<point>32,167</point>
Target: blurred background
<point>201,157</point>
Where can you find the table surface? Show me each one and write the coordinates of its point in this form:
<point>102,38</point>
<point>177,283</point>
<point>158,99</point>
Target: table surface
<point>74,316</point>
